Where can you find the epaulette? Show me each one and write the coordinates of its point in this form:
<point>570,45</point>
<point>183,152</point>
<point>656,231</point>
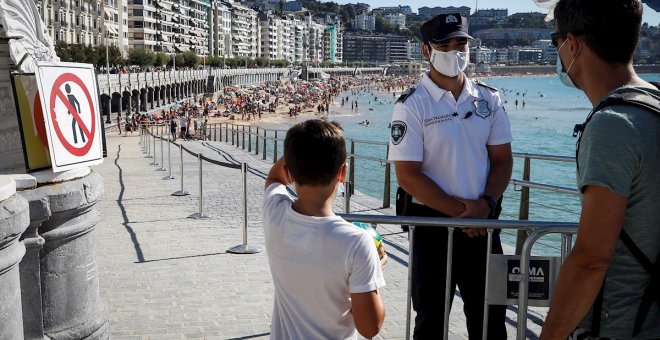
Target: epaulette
<point>480,83</point>
<point>405,94</point>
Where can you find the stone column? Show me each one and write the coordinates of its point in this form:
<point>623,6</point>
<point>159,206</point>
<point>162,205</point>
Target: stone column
<point>70,301</point>
<point>14,218</point>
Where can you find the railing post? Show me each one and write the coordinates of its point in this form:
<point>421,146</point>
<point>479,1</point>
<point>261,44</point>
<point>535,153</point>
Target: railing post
<point>162,157</point>
<point>275,148</point>
<point>523,212</point>
<point>155,162</point>
<point>169,158</point>
<point>200,214</point>
<point>264,154</point>
<point>181,192</point>
<point>351,166</point>
<point>347,197</point>
<point>226,133</point>
<point>215,132</point>
<point>386,188</point>
<point>244,248</point>
<point>249,139</point>
<point>232,134</point>
<point>256,145</point>
<point>243,138</point>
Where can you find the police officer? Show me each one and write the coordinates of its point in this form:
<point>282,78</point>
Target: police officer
<point>451,147</point>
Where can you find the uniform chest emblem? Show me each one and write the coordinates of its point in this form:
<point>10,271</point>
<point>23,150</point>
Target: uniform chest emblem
<point>481,108</point>
<point>398,131</point>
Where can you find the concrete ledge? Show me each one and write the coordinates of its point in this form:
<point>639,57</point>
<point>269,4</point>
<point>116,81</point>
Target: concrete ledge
<point>46,177</point>
<point>7,187</point>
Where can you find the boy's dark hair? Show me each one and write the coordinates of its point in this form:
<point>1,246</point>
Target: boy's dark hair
<point>610,27</point>
<point>314,151</point>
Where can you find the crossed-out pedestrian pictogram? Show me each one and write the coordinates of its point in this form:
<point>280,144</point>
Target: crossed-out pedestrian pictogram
<point>76,111</point>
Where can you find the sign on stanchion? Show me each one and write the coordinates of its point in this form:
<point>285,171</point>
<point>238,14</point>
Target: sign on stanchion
<point>504,277</point>
<point>69,101</point>
<point>244,248</point>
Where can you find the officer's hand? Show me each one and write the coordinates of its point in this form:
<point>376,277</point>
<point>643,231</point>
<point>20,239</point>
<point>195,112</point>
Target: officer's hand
<point>474,209</point>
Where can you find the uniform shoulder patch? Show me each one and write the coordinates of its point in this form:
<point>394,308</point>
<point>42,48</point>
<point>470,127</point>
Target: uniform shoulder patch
<point>481,83</point>
<point>406,94</point>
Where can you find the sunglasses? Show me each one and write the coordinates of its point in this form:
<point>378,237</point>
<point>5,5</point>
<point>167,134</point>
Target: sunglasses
<point>556,36</point>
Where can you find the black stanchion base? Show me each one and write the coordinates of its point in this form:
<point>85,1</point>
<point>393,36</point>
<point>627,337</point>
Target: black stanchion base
<point>169,177</point>
<point>181,193</point>
<point>154,163</point>
<point>161,169</point>
<point>244,249</point>
<point>199,216</point>
<point>148,156</point>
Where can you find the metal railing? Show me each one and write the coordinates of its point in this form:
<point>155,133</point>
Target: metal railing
<point>537,228</point>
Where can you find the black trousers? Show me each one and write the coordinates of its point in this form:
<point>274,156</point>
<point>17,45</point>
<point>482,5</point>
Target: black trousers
<point>468,273</point>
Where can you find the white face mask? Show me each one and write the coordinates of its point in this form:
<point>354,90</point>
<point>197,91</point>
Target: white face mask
<point>451,63</point>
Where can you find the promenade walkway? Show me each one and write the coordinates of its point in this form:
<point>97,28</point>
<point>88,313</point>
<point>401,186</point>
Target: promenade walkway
<point>166,276</point>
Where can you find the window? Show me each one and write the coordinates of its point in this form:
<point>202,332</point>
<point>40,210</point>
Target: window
<point>137,12</point>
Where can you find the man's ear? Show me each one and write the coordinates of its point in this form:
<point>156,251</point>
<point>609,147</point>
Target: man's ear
<point>426,53</point>
<point>575,44</point>
<point>341,176</point>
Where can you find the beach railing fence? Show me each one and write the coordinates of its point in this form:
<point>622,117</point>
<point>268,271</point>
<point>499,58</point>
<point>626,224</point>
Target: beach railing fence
<point>374,170</point>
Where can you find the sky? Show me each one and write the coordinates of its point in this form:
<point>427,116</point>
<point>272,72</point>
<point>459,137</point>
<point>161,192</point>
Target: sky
<point>514,6</point>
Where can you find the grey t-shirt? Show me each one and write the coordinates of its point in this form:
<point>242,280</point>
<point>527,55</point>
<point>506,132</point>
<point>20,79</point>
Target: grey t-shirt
<point>620,150</point>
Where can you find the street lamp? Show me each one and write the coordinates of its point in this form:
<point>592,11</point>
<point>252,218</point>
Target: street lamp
<point>107,69</point>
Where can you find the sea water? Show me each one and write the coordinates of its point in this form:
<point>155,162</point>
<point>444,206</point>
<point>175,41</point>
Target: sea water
<point>544,126</point>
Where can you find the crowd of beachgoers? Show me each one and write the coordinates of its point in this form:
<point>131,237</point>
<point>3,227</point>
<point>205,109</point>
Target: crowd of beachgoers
<point>250,104</point>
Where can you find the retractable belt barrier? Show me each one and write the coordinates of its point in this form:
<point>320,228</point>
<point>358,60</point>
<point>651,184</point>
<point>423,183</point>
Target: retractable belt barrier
<point>149,133</point>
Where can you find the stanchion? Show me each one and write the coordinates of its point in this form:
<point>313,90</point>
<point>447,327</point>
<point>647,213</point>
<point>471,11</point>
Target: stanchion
<point>200,214</point>
<point>162,158</point>
<point>155,162</point>
<point>169,159</point>
<point>244,248</point>
<point>181,192</point>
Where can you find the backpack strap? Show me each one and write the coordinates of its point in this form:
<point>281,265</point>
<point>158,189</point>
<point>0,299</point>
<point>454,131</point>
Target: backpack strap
<point>652,291</point>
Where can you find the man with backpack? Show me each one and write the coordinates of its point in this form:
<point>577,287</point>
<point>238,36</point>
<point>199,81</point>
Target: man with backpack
<point>609,286</point>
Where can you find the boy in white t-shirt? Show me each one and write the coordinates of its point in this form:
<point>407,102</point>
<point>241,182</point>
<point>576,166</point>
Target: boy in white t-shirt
<point>326,271</point>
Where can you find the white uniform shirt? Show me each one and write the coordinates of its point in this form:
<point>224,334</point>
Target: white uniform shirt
<point>316,263</point>
<point>450,136</point>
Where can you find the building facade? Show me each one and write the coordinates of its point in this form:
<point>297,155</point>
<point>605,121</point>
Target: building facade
<point>364,22</point>
<point>398,20</point>
<point>433,11</point>
<point>375,48</point>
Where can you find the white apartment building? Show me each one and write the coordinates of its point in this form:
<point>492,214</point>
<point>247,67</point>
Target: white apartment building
<point>170,26</point>
<point>269,26</point>
<point>397,19</point>
<point>364,22</point>
<point>315,41</point>
<point>220,42</point>
<point>80,22</point>
<point>244,28</point>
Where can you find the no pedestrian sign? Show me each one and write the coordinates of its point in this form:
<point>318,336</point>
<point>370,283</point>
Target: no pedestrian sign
<point>71,111</point>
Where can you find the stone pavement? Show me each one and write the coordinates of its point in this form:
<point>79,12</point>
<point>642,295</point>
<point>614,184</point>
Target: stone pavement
<point>166,276</point>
